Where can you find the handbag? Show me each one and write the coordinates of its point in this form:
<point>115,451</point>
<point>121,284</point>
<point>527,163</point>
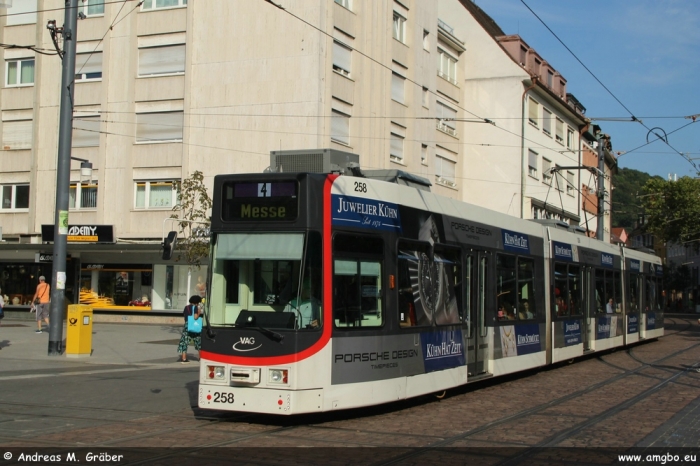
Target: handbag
<point>194,325</point>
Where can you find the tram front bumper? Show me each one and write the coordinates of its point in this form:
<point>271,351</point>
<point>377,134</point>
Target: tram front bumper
<point>260,400</point>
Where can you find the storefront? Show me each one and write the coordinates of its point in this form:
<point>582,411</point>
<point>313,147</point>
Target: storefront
<point>107,275</point>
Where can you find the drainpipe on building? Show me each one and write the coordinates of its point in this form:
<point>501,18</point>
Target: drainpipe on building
<point>523,178</point>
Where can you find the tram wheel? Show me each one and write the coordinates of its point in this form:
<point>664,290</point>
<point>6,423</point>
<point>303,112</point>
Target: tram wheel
<point>439,395</point>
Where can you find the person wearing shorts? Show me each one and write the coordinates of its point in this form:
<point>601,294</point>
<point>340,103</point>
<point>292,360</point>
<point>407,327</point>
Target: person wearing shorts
<point>43,294</point>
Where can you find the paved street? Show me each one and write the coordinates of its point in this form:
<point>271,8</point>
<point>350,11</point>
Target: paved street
<point>132,398</point>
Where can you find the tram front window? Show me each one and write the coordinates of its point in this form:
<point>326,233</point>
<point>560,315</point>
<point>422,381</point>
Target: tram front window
<point>271,279</point>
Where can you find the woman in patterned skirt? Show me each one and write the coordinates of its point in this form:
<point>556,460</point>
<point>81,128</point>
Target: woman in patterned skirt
<point>187,337</point>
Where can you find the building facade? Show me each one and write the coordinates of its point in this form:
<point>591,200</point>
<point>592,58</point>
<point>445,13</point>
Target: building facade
<point>167,87</point>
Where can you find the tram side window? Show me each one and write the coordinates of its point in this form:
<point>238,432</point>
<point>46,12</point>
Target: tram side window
<point>607,286</point>
<point>567,290</point>
<point>527,308</point>
<point>357,281</point>
<point>448,300</point>
<point>357,293</point>
<point>505,287</point>
<point>653,293</point>
<point>617,291</point>
<point>633,295</point>
<point>414,284</point>
<point>561,290</point>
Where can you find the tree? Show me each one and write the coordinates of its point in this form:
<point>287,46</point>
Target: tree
<point>672,209</point>
<point>626,206</point>
<point>194,220</point>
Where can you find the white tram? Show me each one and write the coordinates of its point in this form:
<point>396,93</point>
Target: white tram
<point>331,292</point>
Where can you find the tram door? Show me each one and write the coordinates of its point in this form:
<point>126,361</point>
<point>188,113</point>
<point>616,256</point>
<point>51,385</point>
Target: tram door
<point>587,306</point>
<point>477,292</point>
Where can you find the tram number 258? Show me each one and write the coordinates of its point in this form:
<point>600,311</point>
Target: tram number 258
<point>223,397</point>
<point>360,187</point>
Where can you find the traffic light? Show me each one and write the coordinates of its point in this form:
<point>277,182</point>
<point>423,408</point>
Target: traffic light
<point>169,245</point>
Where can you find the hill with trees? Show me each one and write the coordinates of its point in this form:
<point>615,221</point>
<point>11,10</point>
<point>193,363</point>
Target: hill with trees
<point>626,205</point>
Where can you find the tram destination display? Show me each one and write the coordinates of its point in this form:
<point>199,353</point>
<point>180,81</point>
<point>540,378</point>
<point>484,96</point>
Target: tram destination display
<point>260,201</point>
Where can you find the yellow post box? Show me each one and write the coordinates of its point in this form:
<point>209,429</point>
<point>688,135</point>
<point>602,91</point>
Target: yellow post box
<point>79,330</point>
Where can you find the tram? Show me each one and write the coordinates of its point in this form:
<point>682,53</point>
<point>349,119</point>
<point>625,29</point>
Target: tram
<point>332,291</point>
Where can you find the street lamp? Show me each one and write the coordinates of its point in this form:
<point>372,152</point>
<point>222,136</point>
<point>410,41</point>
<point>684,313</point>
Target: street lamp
<point>85,170</point>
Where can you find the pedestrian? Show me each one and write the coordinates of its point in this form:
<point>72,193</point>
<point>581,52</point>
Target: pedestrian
<point>195,338</point>
<point>41,300</point>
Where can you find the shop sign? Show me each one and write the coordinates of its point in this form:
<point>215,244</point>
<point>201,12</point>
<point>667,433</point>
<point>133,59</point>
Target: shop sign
<point>81,233</point>
<point>45,257</point>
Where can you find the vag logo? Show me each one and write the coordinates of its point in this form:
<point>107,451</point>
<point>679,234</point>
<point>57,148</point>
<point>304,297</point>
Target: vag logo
<point>244,342</point>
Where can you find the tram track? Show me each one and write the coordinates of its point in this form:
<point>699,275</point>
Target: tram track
<point>566,433</point>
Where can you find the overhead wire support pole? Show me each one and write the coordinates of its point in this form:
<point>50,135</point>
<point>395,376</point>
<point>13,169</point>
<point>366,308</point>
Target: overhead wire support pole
<point>65,140</point>
<point>600,229</point>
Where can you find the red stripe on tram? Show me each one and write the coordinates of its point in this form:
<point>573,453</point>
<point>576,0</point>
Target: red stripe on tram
<point>327,302</point>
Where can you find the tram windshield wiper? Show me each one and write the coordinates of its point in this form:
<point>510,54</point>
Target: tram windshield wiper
<point>274,336</point>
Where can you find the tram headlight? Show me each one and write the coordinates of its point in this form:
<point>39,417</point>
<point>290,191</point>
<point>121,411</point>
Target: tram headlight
<point>216,372</point>
<point>279,376</point>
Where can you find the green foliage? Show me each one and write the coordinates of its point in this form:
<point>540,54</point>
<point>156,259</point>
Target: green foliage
<point>193,210</point>
<point>626,206</point>
<point>672,209</point>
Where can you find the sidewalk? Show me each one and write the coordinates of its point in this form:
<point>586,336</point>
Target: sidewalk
<point>112,343</point>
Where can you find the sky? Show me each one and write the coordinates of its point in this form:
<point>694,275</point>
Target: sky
<point>645,52</point>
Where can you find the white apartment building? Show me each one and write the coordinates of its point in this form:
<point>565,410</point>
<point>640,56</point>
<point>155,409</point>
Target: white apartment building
<point>167,87</point>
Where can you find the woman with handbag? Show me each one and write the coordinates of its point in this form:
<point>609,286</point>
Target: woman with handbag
<point>41,300</point>
<point>192,330</point>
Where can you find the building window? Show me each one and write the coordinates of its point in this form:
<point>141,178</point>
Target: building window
<point>82,196</point>
<point>447,66</point>
<point>445,171</point>
<point>88,66</point>
<point>534,112</point>
<point>550,79</point>
<point>19,72</point>
<point>22,12</point>
<point>570,183</point>
<point>532,163</point>
<point>559,131</point>
<point>399,28</point>
<point>159,127</point>
<point>523,55</point>
<point>446,119</point>
<point>343,3</point>
<point>342,58</point>
<point>570,138</point>
<point>396,147</point>
<point>15,197</point>
<point>167,59</point>
<point>426,40</point>
<point>559,179</point>
<point>546,122</point>
<point>154,194</point>
<point>546,173</point>
<point>426,98</point>
<point>158,4</point>
<point>424,154</point>
<point>17,134</point>
<point>340,127</point>
<point>92,7</point>
<point>397,87</point>
<point>86,131</point>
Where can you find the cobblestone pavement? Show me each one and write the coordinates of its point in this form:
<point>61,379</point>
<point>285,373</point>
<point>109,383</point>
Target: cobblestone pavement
<point>644,399</point>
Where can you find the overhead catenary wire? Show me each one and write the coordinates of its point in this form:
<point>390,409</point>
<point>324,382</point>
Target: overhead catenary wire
<point>634,118</point>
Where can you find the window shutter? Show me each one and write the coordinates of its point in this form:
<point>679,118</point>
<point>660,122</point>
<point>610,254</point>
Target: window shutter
<point>162,60</point>
<point>17,134</point>
<point>342,56</point>
<point>159,126</point>
<point>86,132</point>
